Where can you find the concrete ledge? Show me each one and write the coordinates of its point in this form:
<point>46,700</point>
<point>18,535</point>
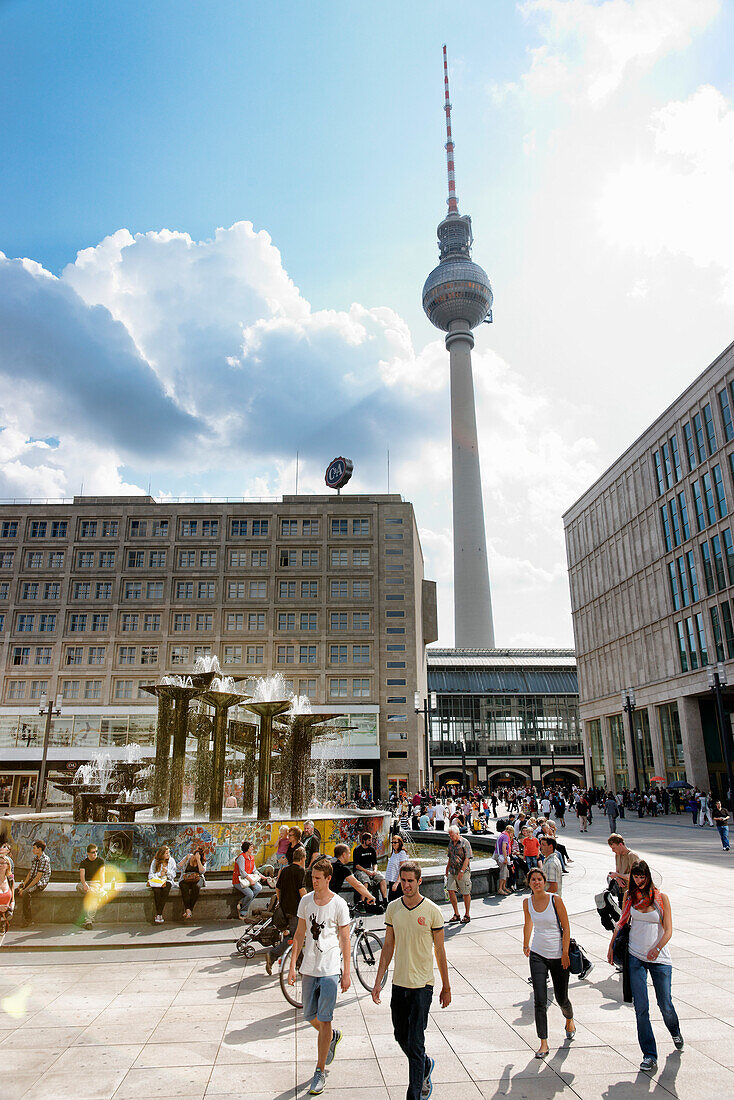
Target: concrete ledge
<point>132,902</point>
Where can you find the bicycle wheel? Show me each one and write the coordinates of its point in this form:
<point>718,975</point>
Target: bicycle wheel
<point>292,993</point>
<point>366,956</point>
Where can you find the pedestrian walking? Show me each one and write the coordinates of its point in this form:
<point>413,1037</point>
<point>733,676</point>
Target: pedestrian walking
<point>414,933</point>
<point>721,817</point>
<point>323,935</point>
<point>612,811</point>
<point>583,810</point>
<point>546,918</point>
<point>704,810</point>
<point>647,911</point>
<point>458,875</point>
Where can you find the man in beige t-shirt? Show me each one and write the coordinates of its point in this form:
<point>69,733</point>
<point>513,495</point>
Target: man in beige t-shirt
<point>414,934</point>
<point>624,859</point>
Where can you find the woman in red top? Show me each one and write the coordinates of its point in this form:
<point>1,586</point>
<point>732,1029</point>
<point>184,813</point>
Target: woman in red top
<point>246,879</point>
<point>7,890</point>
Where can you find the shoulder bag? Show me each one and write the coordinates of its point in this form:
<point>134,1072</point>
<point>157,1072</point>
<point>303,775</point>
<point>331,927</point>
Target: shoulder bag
<point>576,955</point>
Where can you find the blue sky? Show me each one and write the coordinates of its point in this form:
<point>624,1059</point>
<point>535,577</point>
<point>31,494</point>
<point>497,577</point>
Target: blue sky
<point>594,150</point>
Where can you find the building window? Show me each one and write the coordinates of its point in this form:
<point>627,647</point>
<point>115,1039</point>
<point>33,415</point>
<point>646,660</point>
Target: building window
<point>339,559</point>
<point>339,620</point>
<point>683,579</point>
<point>70,689</point>
<point>205,590</point>
<point>156,559</point>
<point>135,559</point>
<point>339,590</point>
<point>361,590</point>
<point>309,590</point>
<point>360,559</point>
<point>395,648</point>
<point>719,490</point>
<point>93,689</point>
<point>718,562</point>
<point>338,654</point>
<point>728,628</point>
<point>184,590</point>
<point>685,527</point>
<point>286,590</point>
<point>286,620</point>
<point>288,527</point>
<point>692,576</point>
<point>186,559</point>
<point>151,621</point>
<point>400,596</point>
<point>95,655</point>
<point>138,528</point>
<point>307,687</point>
<point>85,559</point>
<point>103,590</point>
<point>43,655</point>
<point>658,472</point>
<point>285,655</point>
<point>394,614</point>
<point>47,623</point>
<point>181,621</point>
<point>126,655</point>
<point>708,420</point>
<point>133,590</point>
<point>149,655</point>
<point>707,570</point>
<point>691,638</point>
<point>256,620</point>
<point>210,528</point>
<point>698,434</point>
<point>726,415</point>
<point>160,528</point>
<point>287,559</point>
<point>337,688</point>
<point>397,699</point>
<point>51,590</point>
<point>309,559</point>
<point>311,528</point>
<point>189,528</point>
<point>129,622</point>
<point>4,590</point>
<point>21,654</point>
<point>237,528</point>
<point>26,624</point>
<point>307,654</point>
<point>260,527</point>
<point>81,590</point>
<point>74,655</point>
<point>6,559</point>
<point>233,655</point>
<point>361,655</point>
<point>204,621</point>
<point>309,620</point>
<point>361,528</point>
<point>124,689</point>
<point>701,639</point>
<point>716,630</point>
<point>88,529</point>
<point>107,559</point>
<point>395,683</point>
<point>360,688</point>
<point>235,590</point>
<point>340,527</point>
<point>258,590</point>
<point>396,664</point>
<point>29,590</point>
<point>235,620</point>
<point>258,558</point>
<point>110,529</point>
<point>675,457</point>
<point>361,620</point>
<point>179,654</point>
<point>394,521</point>
<point>698,505</point>
<point>394,537</point>
<point>254,655</point>
<point>9,529</point>
<point>208,558</point>
<point>38,529</point>
<point>100,622</point>
<point>16,689</point>
<point>39,688</point>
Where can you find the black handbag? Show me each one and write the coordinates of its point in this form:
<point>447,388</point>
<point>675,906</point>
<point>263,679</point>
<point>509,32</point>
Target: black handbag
<point>576,955</point>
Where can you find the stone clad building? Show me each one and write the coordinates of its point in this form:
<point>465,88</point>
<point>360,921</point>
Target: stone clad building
<point>650,549</point>
<point>101,596</point>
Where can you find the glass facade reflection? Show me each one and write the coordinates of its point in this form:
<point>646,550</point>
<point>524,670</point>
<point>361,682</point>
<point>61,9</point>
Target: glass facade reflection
<point>504,724</point>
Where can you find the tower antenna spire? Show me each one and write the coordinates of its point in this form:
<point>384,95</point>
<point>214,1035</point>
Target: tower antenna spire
<point>452,202</point>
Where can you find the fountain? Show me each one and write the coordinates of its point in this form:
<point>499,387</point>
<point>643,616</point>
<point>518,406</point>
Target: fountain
<point>267,702</point>
<point>109,807</point>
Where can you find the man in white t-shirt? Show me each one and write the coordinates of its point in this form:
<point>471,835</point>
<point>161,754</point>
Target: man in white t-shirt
<point>323,933</point>
<point>545,806</point>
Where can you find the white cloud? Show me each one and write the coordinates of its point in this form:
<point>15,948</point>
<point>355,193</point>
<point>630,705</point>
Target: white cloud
<point>589,46</point>
<point>676,198</point>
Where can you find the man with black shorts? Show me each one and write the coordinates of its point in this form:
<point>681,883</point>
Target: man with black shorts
<point>364,861</point>
<point>414,933</point>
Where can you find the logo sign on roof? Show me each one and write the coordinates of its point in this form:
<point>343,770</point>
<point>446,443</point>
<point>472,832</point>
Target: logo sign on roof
<point>338,472</point>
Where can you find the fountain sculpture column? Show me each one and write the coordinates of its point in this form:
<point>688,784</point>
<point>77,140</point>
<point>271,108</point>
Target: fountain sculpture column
<point>220,701</point>
<point>162,753</point>
<point>266,711</point>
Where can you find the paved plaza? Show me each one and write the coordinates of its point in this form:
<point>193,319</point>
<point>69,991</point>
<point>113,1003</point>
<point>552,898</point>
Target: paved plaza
<point>181,1017</point>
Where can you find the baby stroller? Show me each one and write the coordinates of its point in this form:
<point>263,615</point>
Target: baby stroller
<point>259,928</point>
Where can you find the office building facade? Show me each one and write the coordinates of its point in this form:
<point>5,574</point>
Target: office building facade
<point>650,551</point>
<point>103,595</point>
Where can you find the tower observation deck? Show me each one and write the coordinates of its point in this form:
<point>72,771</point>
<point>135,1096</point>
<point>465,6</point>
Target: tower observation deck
<point>457,297</point>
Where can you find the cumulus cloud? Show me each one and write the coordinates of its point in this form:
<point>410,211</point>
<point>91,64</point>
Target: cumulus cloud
<point>588,46</point>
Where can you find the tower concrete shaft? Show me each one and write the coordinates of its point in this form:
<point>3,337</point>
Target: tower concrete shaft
<point>473,622</point>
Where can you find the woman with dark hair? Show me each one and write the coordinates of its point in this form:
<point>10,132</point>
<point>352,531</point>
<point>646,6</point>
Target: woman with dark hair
<point>647,911</point>
<point>547,919</point>
<point>161,877</point>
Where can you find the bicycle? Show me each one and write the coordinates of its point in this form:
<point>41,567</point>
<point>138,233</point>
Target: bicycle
<point>366,948</point>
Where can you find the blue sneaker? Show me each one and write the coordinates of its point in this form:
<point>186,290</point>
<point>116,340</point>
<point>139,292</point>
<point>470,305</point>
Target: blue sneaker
<point>318,1083</point>
<point>336,1038</point>
<point>427,1087</point>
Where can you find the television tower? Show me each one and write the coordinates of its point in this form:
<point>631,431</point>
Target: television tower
<point>457,297</point>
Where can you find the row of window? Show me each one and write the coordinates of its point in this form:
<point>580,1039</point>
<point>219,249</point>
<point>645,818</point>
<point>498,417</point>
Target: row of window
<point>692,648</point>
<point>189,590</point>
<point>717,556</point>
<point>187,528</point>
<point>188,559</point>
<point>358,687</point>
<point>709,500</point>
<point>699,435</point>
<point>185,621</point>
<point>148,655</point>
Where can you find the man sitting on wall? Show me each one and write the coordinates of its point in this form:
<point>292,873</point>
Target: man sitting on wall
<point>36,880</point>
<point>364,859</point>
<point>341,875</point>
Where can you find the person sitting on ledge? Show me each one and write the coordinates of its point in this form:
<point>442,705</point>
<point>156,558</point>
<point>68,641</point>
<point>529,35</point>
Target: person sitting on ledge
<point>341,875</point>
<point>161,877</point>
<point>36,880</point>
<point>7,898</point>
<point>91,884</point>
<point>246,878</point>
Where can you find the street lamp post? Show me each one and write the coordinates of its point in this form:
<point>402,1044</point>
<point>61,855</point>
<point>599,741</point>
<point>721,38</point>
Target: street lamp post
<point>642,759</point>
<point>426,707</point>
<point>51,710</point>
<point>717,680</point>
<point>592,777</point>
<point>553,761</point>
<point>628,706</point>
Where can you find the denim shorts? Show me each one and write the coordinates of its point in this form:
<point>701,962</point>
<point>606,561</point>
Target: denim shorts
<point>319,997</point>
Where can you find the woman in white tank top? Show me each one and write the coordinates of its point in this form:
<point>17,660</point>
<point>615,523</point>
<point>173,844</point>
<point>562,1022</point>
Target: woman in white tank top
<point>547,920</point>
<point>650,928</point>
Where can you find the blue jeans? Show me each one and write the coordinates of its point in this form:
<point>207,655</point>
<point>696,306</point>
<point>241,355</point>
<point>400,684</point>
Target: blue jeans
<point>249,893</point>
<point>410,1008</point>
<point>661,974</point>
<point>724,834</point>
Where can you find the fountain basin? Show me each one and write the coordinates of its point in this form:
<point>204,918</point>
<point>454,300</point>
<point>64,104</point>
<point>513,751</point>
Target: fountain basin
<point>131,845</point>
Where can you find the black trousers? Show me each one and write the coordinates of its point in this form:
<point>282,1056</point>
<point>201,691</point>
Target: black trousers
<point>160,897</point>
<point>540,968</point>
<point>190,894</point>
<point>410,1008</point>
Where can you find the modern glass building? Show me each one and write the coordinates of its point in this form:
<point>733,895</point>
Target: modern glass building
<point>504,716</point>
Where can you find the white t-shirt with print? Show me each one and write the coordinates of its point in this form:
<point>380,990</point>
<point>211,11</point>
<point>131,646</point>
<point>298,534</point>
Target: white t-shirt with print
<point>321,954</point>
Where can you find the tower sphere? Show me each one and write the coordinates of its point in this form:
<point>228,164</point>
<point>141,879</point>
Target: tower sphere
<point>457,290</point>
